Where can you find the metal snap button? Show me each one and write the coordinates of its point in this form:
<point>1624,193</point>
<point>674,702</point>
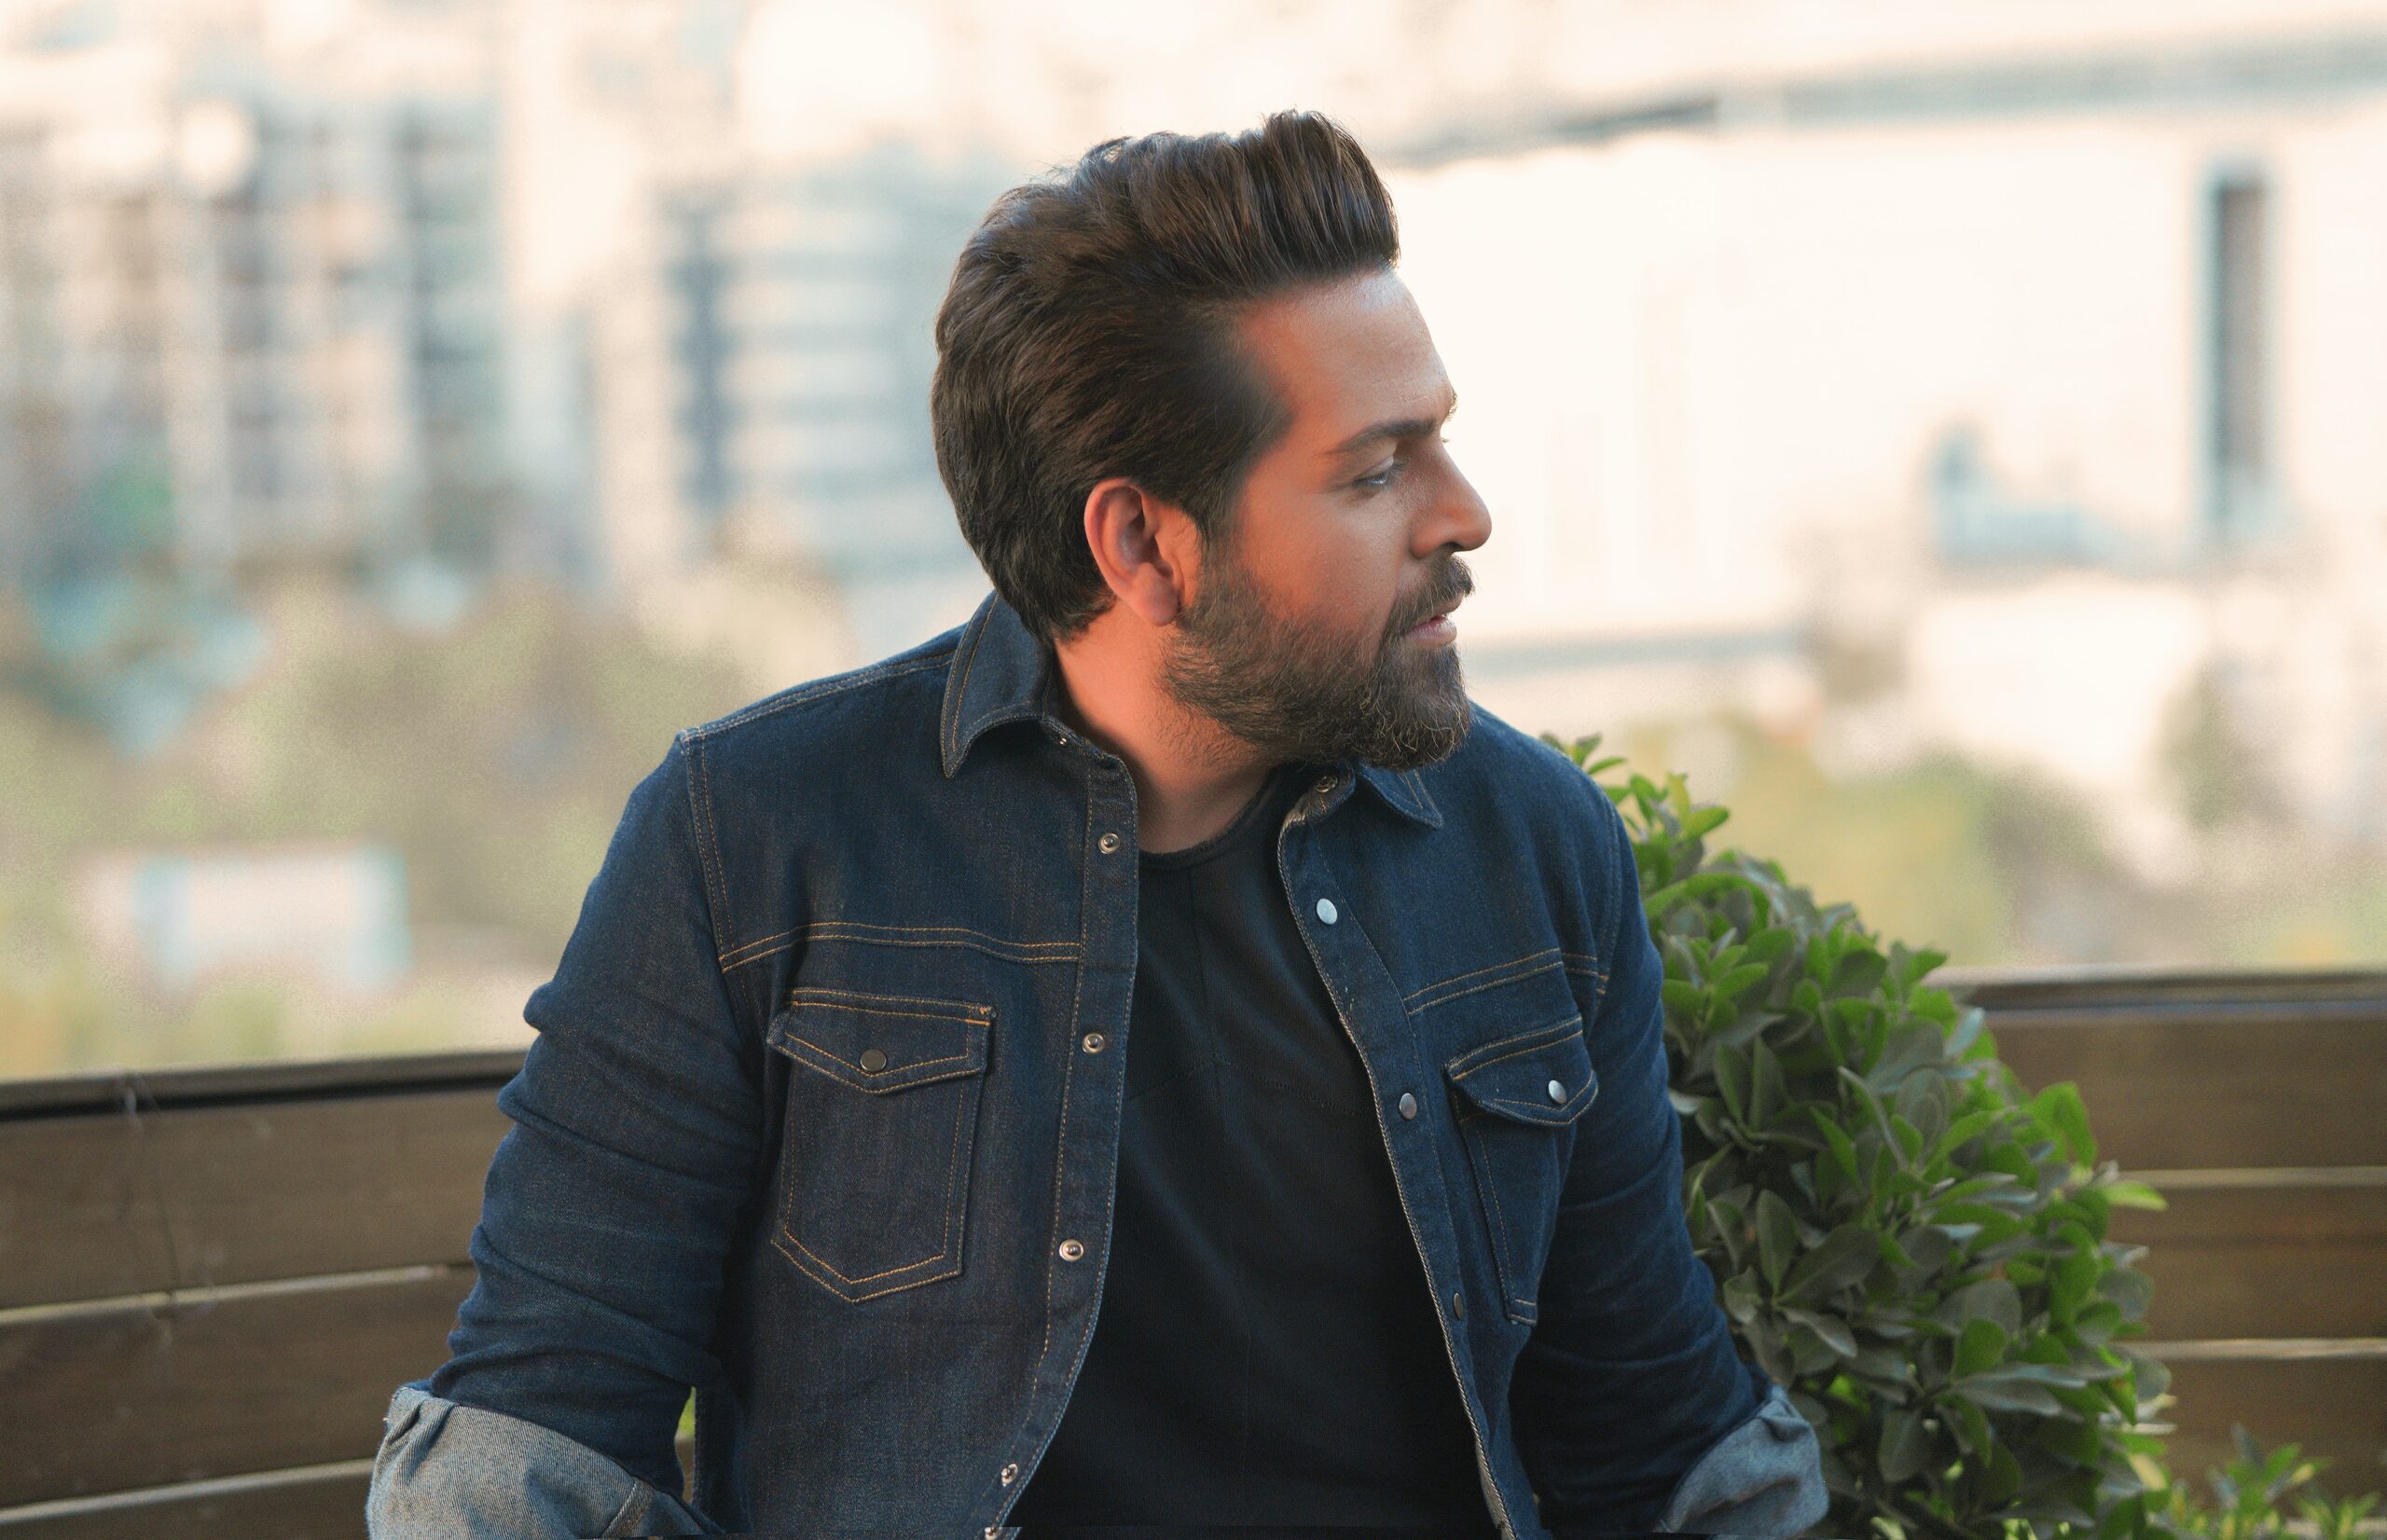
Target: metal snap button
<point>1107,843</point>
<point>1459,1306</point>
<point>1408,1105</point>
<point>1010,1474</point>
<point>1557,1090</point>
<point>872,1060</point>
<point>1093,1041</point>
<point>1071,1250</point>
<point>1326,911</point>
<point>1325,783</point>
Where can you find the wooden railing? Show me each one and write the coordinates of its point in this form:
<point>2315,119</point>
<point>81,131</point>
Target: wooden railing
<point>211,1280</point>
<point>2256,1103</point>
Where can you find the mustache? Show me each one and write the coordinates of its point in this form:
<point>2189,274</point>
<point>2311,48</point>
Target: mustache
<point>1460,583</point>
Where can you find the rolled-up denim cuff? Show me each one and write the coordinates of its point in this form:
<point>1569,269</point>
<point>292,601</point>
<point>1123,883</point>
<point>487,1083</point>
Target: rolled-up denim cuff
<point>1764,1478</point>
<point>463,1473</point>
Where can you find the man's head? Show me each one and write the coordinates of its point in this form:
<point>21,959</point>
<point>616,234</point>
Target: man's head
<point>1184,380</point>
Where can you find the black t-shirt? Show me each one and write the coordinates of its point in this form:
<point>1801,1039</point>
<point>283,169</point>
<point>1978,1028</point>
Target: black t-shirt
<point>1266,1350</point>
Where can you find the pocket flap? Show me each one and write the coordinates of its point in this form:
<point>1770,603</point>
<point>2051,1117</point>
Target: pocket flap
<point>1514,1077</point>
<point>882,1042</point>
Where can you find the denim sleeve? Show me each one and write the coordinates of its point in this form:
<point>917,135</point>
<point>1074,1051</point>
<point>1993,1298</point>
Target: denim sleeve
<point>1764,1477</point>
<point>610,1206</point>
<point>460,1473</point>
<point>1631,1376</point>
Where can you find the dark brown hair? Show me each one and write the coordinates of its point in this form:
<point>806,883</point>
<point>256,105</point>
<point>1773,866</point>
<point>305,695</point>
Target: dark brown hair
<point>1089,333</point>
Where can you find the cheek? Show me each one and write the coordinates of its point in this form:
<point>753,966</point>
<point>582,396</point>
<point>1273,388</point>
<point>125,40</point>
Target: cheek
<point>1351,584</point>
<point>1338,567</point>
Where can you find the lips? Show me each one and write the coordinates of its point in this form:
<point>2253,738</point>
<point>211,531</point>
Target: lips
<point>1442,613</point>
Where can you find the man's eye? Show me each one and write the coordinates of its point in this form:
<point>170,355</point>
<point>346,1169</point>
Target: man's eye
<point>1379,478</point>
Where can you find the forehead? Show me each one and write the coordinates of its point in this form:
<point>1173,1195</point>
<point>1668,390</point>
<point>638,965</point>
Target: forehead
<point>1344,355</point>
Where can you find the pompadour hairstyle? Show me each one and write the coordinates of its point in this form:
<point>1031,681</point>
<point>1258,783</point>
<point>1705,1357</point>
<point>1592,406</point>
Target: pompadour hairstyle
<point>1089,333</point>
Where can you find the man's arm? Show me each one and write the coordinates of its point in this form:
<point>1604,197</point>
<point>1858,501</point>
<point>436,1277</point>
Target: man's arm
<point>1633,1411</point>
<point>608,1213</point>
<point>466,1474</point>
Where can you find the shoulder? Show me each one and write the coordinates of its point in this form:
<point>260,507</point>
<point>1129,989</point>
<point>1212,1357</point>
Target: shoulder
<point>890,707</point>
<point>1502,776</point>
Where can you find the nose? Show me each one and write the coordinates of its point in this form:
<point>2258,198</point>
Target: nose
<point>1459,518</point>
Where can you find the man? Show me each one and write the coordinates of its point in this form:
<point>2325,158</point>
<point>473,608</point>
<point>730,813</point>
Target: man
<point>1152,1054</point>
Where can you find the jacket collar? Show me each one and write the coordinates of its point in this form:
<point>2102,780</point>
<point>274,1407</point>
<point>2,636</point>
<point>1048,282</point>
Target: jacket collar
<point>1003,672</point>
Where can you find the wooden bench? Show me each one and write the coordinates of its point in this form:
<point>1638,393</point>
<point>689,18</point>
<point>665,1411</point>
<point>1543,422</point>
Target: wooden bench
<point>211,1280</point>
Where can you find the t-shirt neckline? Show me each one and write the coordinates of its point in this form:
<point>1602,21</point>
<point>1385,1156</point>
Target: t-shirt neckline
<point>1225,839</point>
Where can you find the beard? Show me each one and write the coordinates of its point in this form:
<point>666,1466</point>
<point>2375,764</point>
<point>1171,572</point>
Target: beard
<point>1300,692</point>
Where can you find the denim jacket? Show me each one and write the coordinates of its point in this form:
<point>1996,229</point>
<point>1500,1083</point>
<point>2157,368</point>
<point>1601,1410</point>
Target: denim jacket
<point>823,1113</point>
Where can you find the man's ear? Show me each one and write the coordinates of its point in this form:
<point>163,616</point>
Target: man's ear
<point>1144,545</point>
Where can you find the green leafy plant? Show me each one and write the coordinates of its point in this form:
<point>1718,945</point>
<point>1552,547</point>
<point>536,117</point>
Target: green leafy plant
<point>1900,1233</point>
<point>2251,1500</point>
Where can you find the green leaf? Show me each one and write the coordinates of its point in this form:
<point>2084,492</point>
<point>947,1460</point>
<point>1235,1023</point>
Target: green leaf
<point>1830,1330</point>
<point>1772,945</point>
<point>1846,1257</point>
<point>2002,1477</point>
<point>2058,1109</point>
<point>1732,985</point>
<point>2133,1195</point>
<point>1906,1444</point>
<point>1857,973</point>
<point>1970,1426</point>
<point>1971,1125</point>
<point>2070,1286</point>
<point>1980,1346</point>
<point>1777,1236</point>
<point>1703,821</point>
<point>1999,1393</point>
<point>1700,885</point>
<point>1765,1344</point>
<point>1908,967</point>
<point>1922,1100</point>
<point>1966,1031</point>
<point>1767,1093</point>
<point>1732,1080</point>
<point>1836,1140</point>
<point>2131,1289</point>
<point>1992,1299</point>
<point>1683,998</point>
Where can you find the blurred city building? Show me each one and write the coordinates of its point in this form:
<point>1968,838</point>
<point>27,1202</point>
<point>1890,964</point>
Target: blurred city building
<point>252,306</point>
<point>2036,365</point>
<point>335,914</point>
<point>761,375</point>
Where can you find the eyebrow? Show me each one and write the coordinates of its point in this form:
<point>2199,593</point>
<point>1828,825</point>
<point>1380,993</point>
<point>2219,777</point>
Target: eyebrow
<point>1404,427</point>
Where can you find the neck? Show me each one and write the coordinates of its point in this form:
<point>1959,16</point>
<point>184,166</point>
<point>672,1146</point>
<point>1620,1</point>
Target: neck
<point>1191,776</point>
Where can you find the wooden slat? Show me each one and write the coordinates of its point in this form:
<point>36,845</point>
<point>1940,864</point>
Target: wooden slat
<point>195,1085</point>
<point>2131,986</point>
<point>320,1502</point>
<point>2265,1254</point>
<point>101,1204</point>
<point>249,1379</point>
<point>314,1502</point>
<point>2201,1086</point>
<point>2332,1404</point>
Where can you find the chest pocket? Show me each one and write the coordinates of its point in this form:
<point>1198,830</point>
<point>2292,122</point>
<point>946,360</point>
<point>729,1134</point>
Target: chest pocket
<point>882,1107</point>
<point>1514,1099</point>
